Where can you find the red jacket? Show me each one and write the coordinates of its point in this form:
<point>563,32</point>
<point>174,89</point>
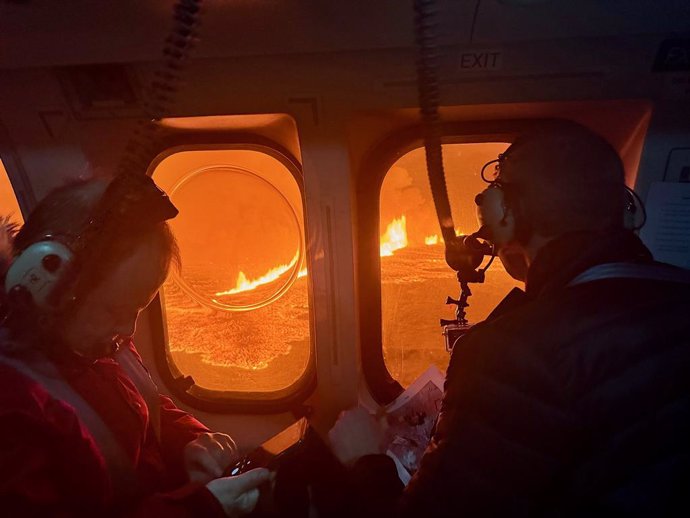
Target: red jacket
<point>50,464</point>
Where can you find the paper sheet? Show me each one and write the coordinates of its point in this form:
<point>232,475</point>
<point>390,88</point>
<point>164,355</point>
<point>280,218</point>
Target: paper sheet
<point>667,231</point>
<point>411,418</point>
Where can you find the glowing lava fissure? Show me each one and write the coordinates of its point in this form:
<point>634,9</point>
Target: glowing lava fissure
<point>244,284</point>
<point>394,238</point>
<point>431,240</point>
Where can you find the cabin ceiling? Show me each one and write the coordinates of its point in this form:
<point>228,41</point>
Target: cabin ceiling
<point>35,33</point>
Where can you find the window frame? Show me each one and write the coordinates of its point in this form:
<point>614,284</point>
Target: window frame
<point>16,174</point>
<point>374,167</point>
<point>182,386</point>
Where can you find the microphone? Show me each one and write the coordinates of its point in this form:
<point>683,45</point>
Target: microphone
<point>465,254</point>
<point>473,243</point>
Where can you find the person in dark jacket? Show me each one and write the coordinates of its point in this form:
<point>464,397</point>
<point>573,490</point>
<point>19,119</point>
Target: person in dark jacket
<point>83,429</point>
<point>573,397</point>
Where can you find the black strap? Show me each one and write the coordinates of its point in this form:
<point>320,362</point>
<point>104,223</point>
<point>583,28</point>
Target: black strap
<point>652,271</point>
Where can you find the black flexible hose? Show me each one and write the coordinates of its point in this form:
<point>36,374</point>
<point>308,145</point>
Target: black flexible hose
<point>161,91</point>
<point>459,257</point>
<point>427,64</point>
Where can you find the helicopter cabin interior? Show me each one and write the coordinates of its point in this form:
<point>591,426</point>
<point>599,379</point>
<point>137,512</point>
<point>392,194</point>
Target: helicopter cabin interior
<point>313,274</point>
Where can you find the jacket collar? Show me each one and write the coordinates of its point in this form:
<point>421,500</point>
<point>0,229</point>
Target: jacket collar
<point>566,256</point>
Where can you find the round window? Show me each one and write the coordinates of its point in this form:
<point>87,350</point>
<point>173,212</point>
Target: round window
<point>242,238</point>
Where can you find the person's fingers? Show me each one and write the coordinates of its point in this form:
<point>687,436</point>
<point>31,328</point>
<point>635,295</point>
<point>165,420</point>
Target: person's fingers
<point>239,494</point>
<point>203,460</point>
<point>247,501</point>
<point>251,480</point>
<point>226,441</point>
<point>214,454</point>
<point>223,450</point>
<point>204,439</point>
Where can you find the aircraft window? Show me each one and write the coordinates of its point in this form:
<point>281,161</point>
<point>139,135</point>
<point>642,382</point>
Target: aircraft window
<point>237,312</point>
<point>8,200</point>
<point>415,278</point>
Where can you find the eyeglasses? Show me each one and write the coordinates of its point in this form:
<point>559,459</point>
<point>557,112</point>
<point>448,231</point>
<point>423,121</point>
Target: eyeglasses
<point>495,174</point>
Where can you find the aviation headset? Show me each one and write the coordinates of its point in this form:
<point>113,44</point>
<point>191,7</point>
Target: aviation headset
<point>488,205</point>
<point>45,271</point>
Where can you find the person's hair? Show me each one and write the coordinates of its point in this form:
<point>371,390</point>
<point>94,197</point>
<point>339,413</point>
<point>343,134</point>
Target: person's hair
<point>66,213</point>
<point>564,178</point>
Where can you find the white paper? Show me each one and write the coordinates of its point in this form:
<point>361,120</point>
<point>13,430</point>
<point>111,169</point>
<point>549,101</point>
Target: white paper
<point>411,418</point>
<point>667,231</point>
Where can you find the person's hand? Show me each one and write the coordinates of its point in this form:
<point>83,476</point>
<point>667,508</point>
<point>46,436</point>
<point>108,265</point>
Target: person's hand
<point>354,435</point>
<point>238,495</point>
<point>207,456</point>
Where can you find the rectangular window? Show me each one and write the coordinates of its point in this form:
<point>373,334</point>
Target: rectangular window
<point>238,310</point>
<point>415,278</point>
<point>9,208</point>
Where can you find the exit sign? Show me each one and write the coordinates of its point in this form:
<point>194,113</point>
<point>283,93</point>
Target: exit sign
<point>480,60</point>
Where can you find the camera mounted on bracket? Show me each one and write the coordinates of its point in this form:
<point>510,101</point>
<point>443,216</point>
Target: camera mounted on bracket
<point>464,254</point>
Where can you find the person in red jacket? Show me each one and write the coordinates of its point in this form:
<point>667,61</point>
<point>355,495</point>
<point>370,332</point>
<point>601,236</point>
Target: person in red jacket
<point>83,429</point>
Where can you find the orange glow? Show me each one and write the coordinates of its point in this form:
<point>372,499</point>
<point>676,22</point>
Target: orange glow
<point>395,237</point>
<point>244,284</point>
<point>431,240</point>
<point>416,280</point>
<point>8,201</point>
<point>239,229</point>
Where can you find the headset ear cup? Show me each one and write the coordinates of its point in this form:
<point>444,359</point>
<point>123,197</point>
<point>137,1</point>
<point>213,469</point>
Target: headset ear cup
<point>40,272</point>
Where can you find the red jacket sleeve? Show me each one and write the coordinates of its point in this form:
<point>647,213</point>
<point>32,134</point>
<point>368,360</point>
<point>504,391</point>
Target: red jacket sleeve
<point>177,428</point>
<point>51,466</point>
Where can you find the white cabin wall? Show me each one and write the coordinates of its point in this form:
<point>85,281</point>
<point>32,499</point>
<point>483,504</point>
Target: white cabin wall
<point>669,130</point>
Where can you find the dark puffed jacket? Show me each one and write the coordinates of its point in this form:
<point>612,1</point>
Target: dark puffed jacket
<point>566,401</point>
